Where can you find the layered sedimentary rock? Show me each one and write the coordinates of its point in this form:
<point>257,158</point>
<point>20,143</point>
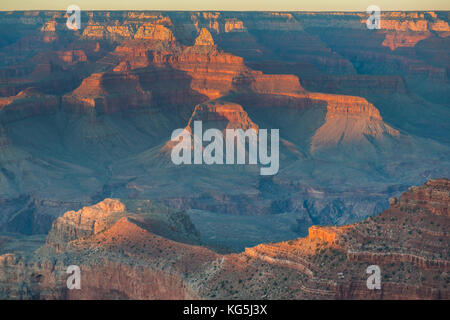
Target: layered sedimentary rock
<point>27,103</point>
<point>108,92</point>
<point>213,72</point>
<point>433,198</point>
<point>349,120</point>
<point>221,115</point>
<point>131,228</point>
<point>90,221</point>
<point>409,242</point>
<point>84,223</point>
<point>85,114</point>
<point>395,40</point>
<point>216,114</point>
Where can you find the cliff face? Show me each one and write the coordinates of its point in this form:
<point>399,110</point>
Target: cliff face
<point>221,115</point>
<point>120,256</point>
<point>108,92</point>
<point>91,221</point>
<point>84,223</point>
<point>208,71</point>
<point>409,242</point>
<point>433,198</point>
<point>123,240</point>
<point>349,120</point>
<point>86,115</point>
<point>28,103</point>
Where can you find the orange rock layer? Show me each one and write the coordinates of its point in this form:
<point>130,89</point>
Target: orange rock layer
<point>409,242</point>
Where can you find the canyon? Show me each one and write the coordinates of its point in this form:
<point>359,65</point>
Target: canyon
<point>86,118</point>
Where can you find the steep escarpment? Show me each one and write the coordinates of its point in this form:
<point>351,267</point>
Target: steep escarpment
<point>27,103</point>
<point>349,120</point>
<point>215,73</point>
<point>129,244</point>
<point>406,30</point>
<point>433,198</point>
<point>116,89</point>
<point>409,243</point>
<point>201,68</point>
<point>84,115</point>
<point>90,221</point>
<point>231,115</point>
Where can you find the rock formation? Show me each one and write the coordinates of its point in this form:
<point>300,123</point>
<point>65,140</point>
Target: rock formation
<point>113,240</point>
<point>204,38</point>
<point>349,120</point>
<point>85,115</point>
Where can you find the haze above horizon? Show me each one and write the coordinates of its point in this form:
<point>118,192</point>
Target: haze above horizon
<point>230,5</point>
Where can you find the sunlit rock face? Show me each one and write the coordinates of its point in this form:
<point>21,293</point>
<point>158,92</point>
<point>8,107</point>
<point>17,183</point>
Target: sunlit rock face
<point>204,38</point>
<point>349,120</point>
<point>129,240</point>
<point>108,96</point>
<point>86,118</point>
<point>221,115</point>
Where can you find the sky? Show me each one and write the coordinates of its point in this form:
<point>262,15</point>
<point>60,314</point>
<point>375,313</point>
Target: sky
<point>234,5</point>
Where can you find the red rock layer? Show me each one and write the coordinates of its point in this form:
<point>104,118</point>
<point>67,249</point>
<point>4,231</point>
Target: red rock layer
<point>409,242</point>
<point>108,92</point>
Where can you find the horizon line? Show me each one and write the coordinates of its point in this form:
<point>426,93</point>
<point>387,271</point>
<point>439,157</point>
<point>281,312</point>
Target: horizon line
<point>209,10</point>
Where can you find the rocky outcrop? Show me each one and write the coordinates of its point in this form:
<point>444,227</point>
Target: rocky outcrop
<point>349,106</point>
<point>85,113</point>
<point>204,38</point>
<point>397,40</point>
<point>27,103</point>
<point>221,115</point>
<point>108,92</point>
<point>154,32</point>
<point>83,223</point>
<point>349,120</point>
<point>322,233</point>
<point>216,114</point>
<point>111,214</point>
<point>328,264</point>
<point>385,240</point>
<point>433,198</point>
<point>99,32</point>
<point>212,72</point>
<point>413,21</point>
